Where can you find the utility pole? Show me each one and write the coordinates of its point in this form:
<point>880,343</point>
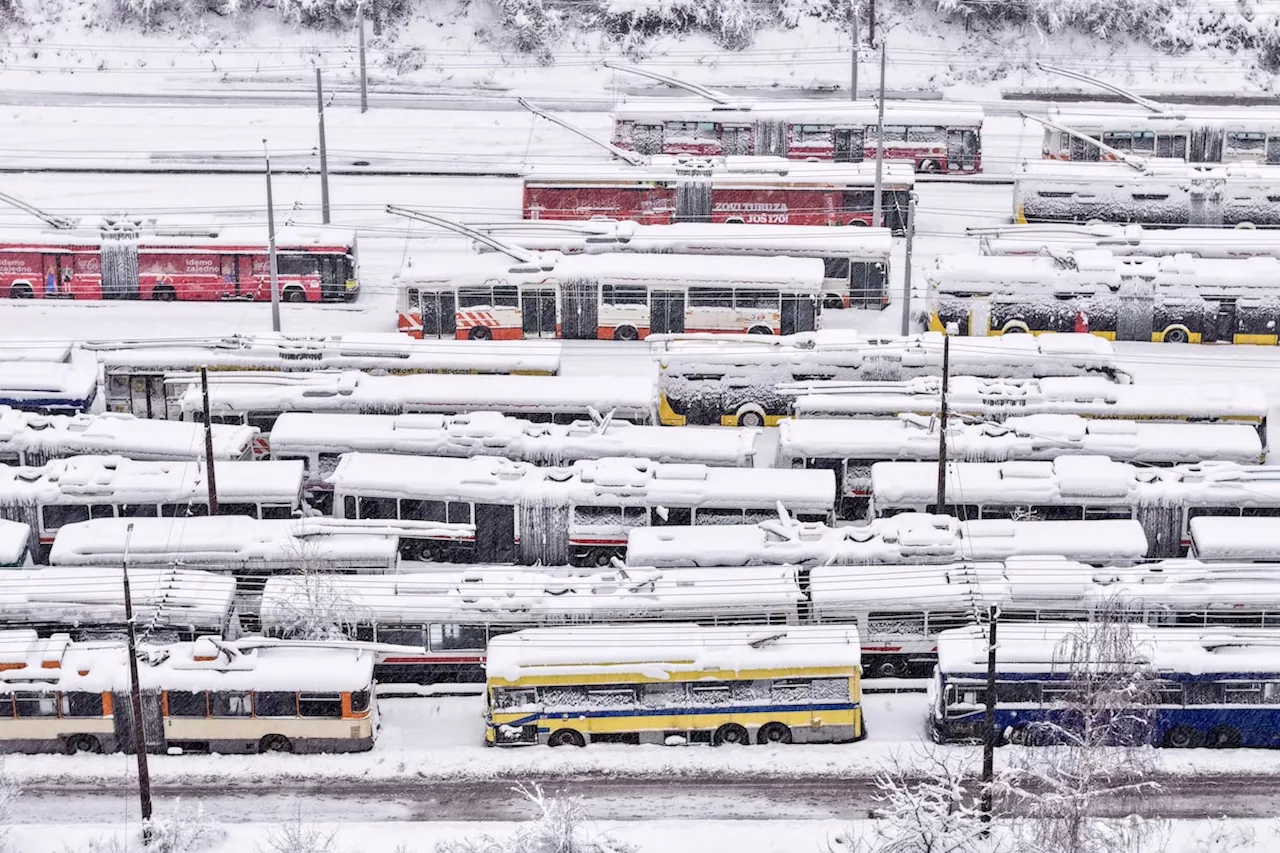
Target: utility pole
<point>942,425</point>
<point>871,23</point>
<point>989,719</point>
<point>208,443</point>
<point>876,220</point>
<point>271,246</point>
<point>324,154</point>
<point>906,273</point>
<point>853,50</point>
<point>135,690</point>
<point>364,78</point>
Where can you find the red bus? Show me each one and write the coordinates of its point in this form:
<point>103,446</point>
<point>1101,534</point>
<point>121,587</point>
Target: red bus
<point>315,264</point>
<point>760,190</point>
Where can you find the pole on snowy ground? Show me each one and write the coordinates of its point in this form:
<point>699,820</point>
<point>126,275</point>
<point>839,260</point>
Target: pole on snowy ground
<point>871,23</point>
<point>989,721</point>
<point>906,273</point>
<point>324,153</point>
<point>853,50</point>
<point>135,696</point>
<point>878,199</point>
<point>271,246</point>
<point>364,79</point>
<point>208,443</point>
<point>942,425</point>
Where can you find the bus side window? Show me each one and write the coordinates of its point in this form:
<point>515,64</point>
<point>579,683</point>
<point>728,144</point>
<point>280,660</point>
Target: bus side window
<point>138,511</point>
<point>414,509</point>
<point>349,507</point>
<point>55,516</point>
<point>238,509</point>
<point>278,511</point>
<point>264,421</point>
<point>82,704</point>
<point>449,638</point>
<point>678,516</point>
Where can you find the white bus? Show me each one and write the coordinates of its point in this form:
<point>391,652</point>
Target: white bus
<point>64,491</point>
<point>239,545</point>
<point>1128,240</point>
<point>909,538</point>
<point>48,385</point>
<point>1196,134</point>
<point>169,603</point>
<point>259,399</point>
<point>855,259</point>
<point>850,451</point>
<point>741,380</point>
<point>209,695</point>
<point>320,439</point>
<point>579,514</point>
<point>1235,538</point>
<point>999,399</point>
<point>1072,488</point>
<point>449,617</point>
<point>28,439</point>
<point>135,371</point>
<point>607,297</point>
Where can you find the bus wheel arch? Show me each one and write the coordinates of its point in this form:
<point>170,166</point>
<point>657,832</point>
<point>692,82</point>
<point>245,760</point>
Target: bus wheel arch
<point>1181,737</point>
<point>21,290</point>
<point>928,166</point>
<point>566,737</point>
<point>774,733</point>
<point>164,293</point>
<point>730,733</point>
<point>1015,327</point>
<point>602,557</point>
<point>626,333</point>
<point>750,415</point>
<point>275,743</point>
<point>1176,335</point>
<point>480,333</point>
<point>1223,737</point>
<point>889,668</point>
<point>759,330</point>
<point>82,743</point>
<point>293,293</point>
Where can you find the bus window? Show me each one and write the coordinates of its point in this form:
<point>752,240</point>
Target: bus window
<point>82,704</point>
<point>328,705</point>
<point>664,695</point>
<point>297,264</point>
<point>909,624</point>
<point>102,511</point>
<point>624,294</point>
<point>710,694</point>
<point>718,516</point>
<point>138,511</point>
<point>925,135</point>
<point>227,420</point>
<point>278,511</point>
<point>835,268</point>
<point>377,508</point>
<point>191,510</point>
<point>812,133</point>
<point>470,297</point>
<point>1058,513</point>
<point>506,296</point>
<point>36,704</point>
<point>231,703</point>
<point>413,509</point>
<point>752,298</point>
<point>1223,511</point>
<point>349,507</point>
<point>188,704</point>
<point>677,516</point>
<point>264,421</point>
<point>459,512</point>
<point>710,297</point>
<point>1099,513</point>
<point>1249,143</point>
<point>271,703</point>
<point>55,516</point>
<point>450,638</point>
<point>513,697</point>
<point>403,635</point>
<point>238,509</point>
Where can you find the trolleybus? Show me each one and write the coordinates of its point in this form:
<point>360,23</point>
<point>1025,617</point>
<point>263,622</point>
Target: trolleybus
<point>1197,134</point>
<point>1128,240</point>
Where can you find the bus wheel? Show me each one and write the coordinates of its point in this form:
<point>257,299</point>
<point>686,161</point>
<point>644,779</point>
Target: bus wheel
<point>773,733</point>
<point>750,416</point>
<point>164,294</point>
<point>1223,737</point>
<point>730,733</point>
<point>20,291</point>
<point>1181,737</point>
<point>603,557</point>
<point>480,333</point>
<point>888,669</point>
<point>928,167</point>
<point>295,294</point>
<point>626,333</point>
<point>760,330</point>
<point>1176,335</point>
<point>83,743</point>
<point>275,743</point>
<point>566,737</point>
<point>1021,736</point>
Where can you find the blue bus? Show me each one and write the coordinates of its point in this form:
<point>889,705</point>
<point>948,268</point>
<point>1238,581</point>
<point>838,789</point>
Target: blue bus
<point>1211,688</point>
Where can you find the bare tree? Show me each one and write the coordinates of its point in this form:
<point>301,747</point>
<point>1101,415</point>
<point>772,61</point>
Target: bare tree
<point>298,835</point>
<point>313,606</point>
<point>559,828</point>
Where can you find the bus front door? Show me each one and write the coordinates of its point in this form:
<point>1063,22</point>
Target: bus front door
<point>666,312</point>
<point>147,397</point>
<point>538,313</point>
<point>580,310</point>
<point>439,313</point>
<point>799,314</point>
<point>849,142</point>
<point>1224,327</point>
<point>496,534</point>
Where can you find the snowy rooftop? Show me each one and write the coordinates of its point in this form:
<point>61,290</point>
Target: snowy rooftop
<point>82,479</point>
<point>117,434</point>
<point>36,381</point>
<point>857,113</point>
<point>218,238</point>
<point>1224,538</point>
<point>1098,270</point>
<point>727,172</point>
<point>1132,240</point>
<point>661,651</point>
<point>14,538</point>
<point>1156,171</point>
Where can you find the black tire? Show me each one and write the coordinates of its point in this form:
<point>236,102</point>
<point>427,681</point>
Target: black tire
<point>566,737</point>
<point>1176,336</point>
<point>20,291</point>
<point>295,294</point>
<point>1021,736</point>
<point>750,418</point>
<point>626,333</point>
<point>1181,737</point>
<point>773,733</point>
<point>426,552</point>
<point>164,294</point>
<point>928,167</point>
<point>602,558</point>
<point>1223,737</point>
<point>480,333</point>
<point>275,743</point>
<point>759,330</point>
<point>83,743</point>
<point>832,303</point>
<point>730,734</point>
<point>889,668</point>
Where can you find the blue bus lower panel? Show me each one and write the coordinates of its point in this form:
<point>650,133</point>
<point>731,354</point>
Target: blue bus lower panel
<point>1221,727</point>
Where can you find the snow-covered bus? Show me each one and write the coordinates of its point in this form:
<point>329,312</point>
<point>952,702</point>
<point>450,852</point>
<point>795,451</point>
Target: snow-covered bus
<point>259,399</point>
<point>850,452</point>
<point>1235,538</point>
<point>1071,488</point>
<point>606,297</point>
<point>49,387</point>
<point>1128,240</point>
<point>1161,194</point>
<point>209,695</point>
<point>750,190</point>
<point>1000,399</point>
<point>578,514</point>
<point>169,603</point>
<point>81,488</point>
<point>740,381</point>
<point>239,545</point>
<point>29,439</point>
<point>135,371</point>
<point>320,439</point>
<point>1178,299</point>
<point>934,137</point>
<point>1195,134</point>
<point>855,258</point>
<point>904,539</point>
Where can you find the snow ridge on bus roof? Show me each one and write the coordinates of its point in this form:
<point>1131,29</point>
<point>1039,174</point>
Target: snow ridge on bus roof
<point>1133,240</point>
<point>729,172</point>
<point>1227,538</point>
<point>89,596</point>
<point>857,113</point>
<point>118,434</point>
<point>83,479</point>
<point>661,651</point>
<point>1096,268</point>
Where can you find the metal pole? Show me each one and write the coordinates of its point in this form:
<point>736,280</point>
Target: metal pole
<point>989,741</point>
<point>208,443</point>
<point>942,426</point>
<point>877,206</point>
<point>853,50</point>
<point>364,79</point>
<point>135,691</point>
<point>324,154</point>
<point>271,246</point>
<point>871,23</point>
<point>906,273</point>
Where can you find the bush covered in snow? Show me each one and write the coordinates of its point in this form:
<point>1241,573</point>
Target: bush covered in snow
<point>308,13</point>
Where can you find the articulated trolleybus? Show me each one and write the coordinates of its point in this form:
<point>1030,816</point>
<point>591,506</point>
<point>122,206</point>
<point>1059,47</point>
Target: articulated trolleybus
<point>608,297</point>
<point>680,683</point>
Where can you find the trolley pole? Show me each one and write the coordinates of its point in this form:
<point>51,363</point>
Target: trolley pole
<point>364,78</point>
<point>324,153</point>
<point>906,273</point>
<point>208,443</point>
<point>942,425</point>
<point>989,727</point>
<point>271,246</point>
<point>853,50</point>
<point>135,691</point>
<point>878,199</point>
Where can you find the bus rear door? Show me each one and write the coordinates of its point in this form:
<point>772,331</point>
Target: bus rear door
<point>666,312</point>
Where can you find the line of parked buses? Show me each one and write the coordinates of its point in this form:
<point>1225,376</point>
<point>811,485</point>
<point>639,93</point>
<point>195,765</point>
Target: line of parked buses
<point>472,515</point>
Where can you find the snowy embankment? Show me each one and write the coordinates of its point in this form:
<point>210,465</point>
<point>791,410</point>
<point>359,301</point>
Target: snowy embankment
<point>440,741</point>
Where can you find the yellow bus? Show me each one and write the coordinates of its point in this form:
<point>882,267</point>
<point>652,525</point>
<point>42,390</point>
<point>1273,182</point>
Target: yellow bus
<point>674,684</point>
